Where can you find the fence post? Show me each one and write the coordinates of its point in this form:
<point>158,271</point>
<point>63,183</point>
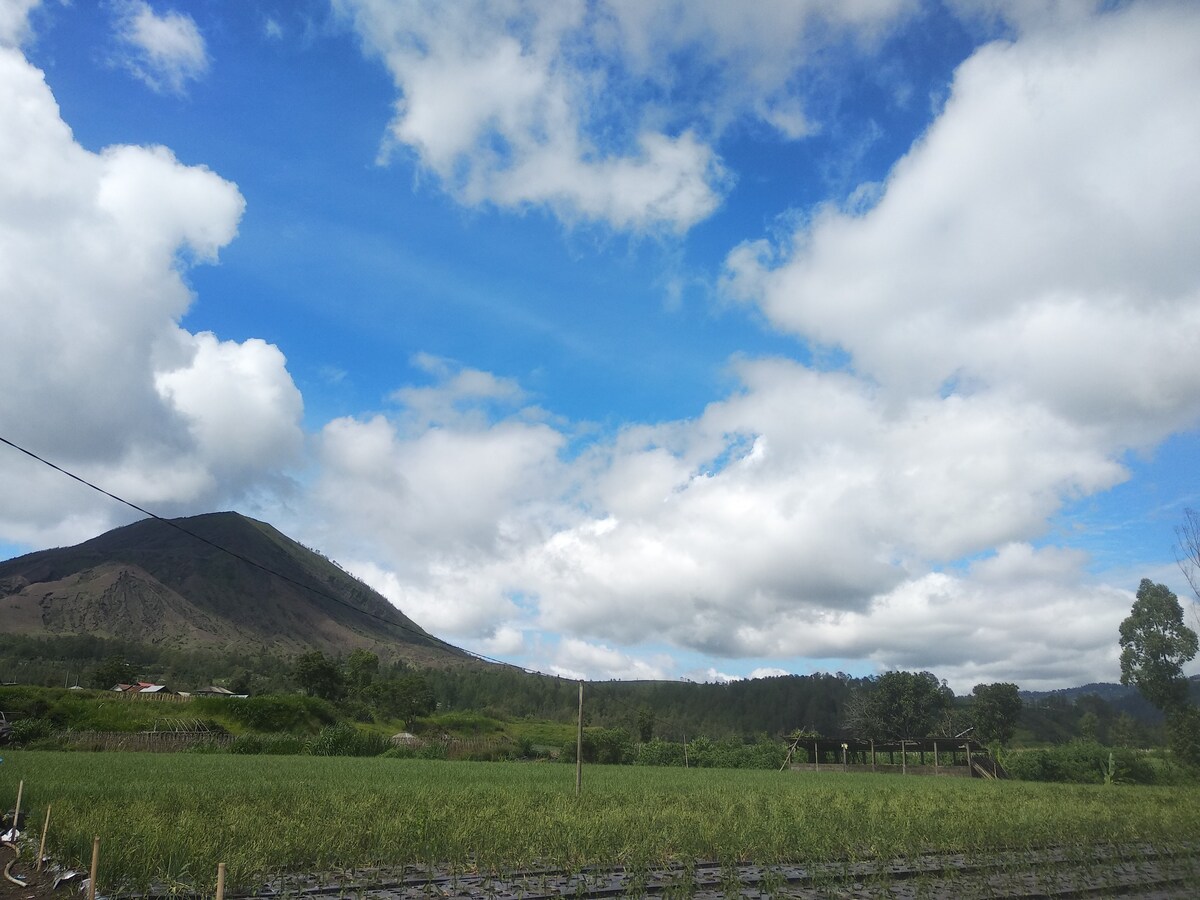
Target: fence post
<point>42,845</point>
<point>579,746</point>
<point>95,868</point>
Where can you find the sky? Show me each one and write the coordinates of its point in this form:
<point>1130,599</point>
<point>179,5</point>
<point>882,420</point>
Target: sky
<point>625,339</point>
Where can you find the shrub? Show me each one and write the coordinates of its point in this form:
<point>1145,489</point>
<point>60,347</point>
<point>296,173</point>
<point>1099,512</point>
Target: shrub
<point>246,744</point>
<point>658,752</point>
<point>271,712</point>
<point>1080,762</point>
<point>25,731</point>
<point>343,739</point>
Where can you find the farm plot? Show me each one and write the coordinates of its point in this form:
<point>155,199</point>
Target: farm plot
<point>167,821</point>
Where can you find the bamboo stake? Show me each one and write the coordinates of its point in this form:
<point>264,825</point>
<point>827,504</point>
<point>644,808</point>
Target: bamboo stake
<point>220,881</point>
<point>95,868</point>
<point>17,811</point>
<point>42,846</point>
<point>579,746</point>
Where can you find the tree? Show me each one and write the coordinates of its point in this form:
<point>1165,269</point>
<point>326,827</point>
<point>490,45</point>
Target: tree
<point>645,724</point>
<point>114,670</point>
<point>898,706</point>
<point>361,668</point>
<point>404,698</point>
<point>1183,735</point>
<point>1187,551</point>
<point>319,676</point>
<point>1155,643</point>
<point>995,711</point>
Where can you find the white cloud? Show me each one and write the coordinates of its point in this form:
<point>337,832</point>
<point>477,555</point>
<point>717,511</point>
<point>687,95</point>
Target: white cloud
<point>97,373</point>
<point>793,519</point>
<point>747,56</point>
<point>1038,239</point>
<point>165,51</point>
<point>589,110</point>
<point>238,400</point>
<point>582,660</point>
<point>1018,302</point>
<point>14,21</point>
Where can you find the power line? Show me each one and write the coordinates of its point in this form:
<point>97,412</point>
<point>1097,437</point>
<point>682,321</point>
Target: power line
<point>308,587</point>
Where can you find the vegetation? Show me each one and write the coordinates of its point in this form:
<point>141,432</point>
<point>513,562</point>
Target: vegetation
<point>172,818</point>
<point>898,706</point>
<point>995,711</point>
<point>1155,644</point>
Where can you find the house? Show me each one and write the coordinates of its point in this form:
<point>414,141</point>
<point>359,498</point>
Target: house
<point>144,690</point>
<point>213,690</point>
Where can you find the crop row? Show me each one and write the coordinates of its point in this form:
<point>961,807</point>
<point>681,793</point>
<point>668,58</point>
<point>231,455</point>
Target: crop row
<point>171,818</point>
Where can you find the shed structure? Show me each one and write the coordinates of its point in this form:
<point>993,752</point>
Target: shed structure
<point>934,755</point>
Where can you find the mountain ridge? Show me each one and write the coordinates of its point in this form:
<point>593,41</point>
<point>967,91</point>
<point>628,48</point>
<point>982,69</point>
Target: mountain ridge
<point>215,581</point>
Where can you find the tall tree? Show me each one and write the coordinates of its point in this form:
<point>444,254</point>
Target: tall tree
<point>361,668</point>
<point>1155,643</point>
<point>995,711</point>
<point>898,706</point>
<point>319,676</point>
<point>1187,550</point>
<point>113,671</point>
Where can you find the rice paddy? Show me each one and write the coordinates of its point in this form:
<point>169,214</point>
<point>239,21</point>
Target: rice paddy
<point>169,819</point>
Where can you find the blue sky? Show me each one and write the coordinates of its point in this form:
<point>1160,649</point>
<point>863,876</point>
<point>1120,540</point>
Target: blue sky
<point>626,339</point>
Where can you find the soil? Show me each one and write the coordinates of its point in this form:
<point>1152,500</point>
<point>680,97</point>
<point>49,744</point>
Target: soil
<point>38,885</point>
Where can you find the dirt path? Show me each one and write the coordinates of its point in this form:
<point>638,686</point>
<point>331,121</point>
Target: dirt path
<point>1109,872</point>
<point>1124,872</point>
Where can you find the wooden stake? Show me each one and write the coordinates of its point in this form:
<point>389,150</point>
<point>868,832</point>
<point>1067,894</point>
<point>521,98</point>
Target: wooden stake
<point>17,811</point>
<point>685,759</point>
<point>220,881</point>
<point>42,846</point>
<point>95,868</point>
<point>579,746</point>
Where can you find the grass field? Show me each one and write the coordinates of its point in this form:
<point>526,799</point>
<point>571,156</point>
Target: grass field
<point>170,818</point>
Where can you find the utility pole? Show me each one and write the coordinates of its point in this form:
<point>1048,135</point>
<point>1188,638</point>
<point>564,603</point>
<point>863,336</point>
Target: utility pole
<point>579,746</point>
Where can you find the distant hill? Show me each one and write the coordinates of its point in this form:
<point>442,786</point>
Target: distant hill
<point>156,584</point>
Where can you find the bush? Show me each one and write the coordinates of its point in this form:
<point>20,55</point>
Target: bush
<point>344,739</point>
<point>25,731</point>
<point>267,744</point>
<point>1080,762</point>
<point>271,712</point>
<point>246,744</point>
<point>607,746</point>
<point>658,752</point>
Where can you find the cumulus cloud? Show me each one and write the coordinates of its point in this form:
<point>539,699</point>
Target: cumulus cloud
<point>565,105</point>
<point>1039,239</point>
<point>582,660</point>
<point>14,22</point>
<point>1019,610</point>
<point>441,493</point>
<point>94,249</point>
<point>165,51</point>
<point>799,517</point>
<point>1018,307</point>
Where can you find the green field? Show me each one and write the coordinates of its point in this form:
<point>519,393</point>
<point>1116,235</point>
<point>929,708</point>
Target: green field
<point>170,818</point>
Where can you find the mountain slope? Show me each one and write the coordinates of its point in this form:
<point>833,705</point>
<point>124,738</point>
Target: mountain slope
<point>153,583</point>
